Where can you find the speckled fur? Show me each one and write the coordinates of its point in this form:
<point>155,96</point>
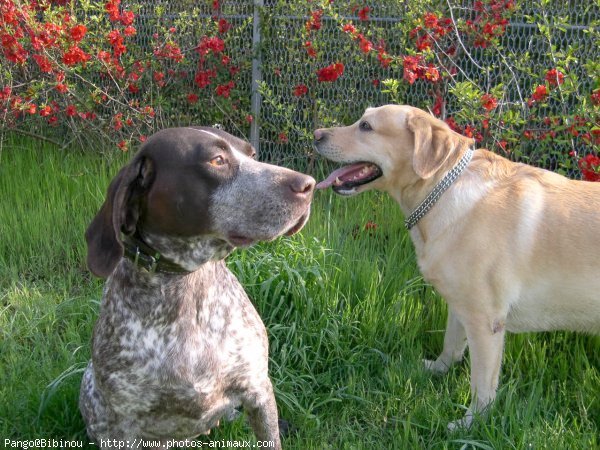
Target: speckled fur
<point>172,354</point>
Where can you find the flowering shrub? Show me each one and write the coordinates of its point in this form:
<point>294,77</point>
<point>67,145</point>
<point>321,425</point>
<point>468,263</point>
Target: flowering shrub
<point>89,69</point>
<point>85,70</point>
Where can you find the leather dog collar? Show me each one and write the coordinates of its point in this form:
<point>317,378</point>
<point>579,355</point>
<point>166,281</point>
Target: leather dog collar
<point>424,207</point>
<point>144,256</point>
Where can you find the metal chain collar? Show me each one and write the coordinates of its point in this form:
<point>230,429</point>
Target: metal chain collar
<point>438,190</point>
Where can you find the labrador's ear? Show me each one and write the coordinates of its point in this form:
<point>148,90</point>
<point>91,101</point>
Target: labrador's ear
<point>434,142</point>
<point>119,213</point>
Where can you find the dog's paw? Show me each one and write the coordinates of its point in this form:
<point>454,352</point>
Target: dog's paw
<point>436,366</point>
<point>461,424</point>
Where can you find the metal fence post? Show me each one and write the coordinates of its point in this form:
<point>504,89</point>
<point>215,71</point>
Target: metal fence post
<point>256,77</point>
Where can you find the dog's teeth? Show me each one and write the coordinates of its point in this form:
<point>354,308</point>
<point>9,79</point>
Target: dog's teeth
<point>337,181</point>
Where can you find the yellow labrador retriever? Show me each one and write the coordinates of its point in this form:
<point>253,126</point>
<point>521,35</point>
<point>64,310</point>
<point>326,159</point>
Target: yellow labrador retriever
<point>509,246</point>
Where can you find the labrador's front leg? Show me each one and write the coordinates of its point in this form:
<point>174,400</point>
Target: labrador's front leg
<point>486,345</point>
<point>455,343</point>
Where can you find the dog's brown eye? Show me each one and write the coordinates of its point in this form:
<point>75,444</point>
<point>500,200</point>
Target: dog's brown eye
<point>365,126</point>
<point>217,161</point>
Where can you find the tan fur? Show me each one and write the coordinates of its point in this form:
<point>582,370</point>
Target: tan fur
<point>509,246</point>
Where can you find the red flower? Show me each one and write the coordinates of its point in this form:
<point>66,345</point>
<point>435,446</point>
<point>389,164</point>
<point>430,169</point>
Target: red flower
<point>210,44</point>
<point>365,45</point>
<point>314,23</point>
<point>44,63</point>
<point>62,88</point>
<point>78,32</point>
<point>300,90</point>
<point>112,8</point>
<point>363,14</point>
<point>539,95</point>
<point>412,68</point>
<point>452,124</point>
<point>430,20</point>
<point>169,51</point>
<point>71,111</point>
<point>595,97</point>
<point>149,110</point>
<point>129,31</point>
<point>349,28</point>
<point>127,17</point>
<point>432,74</point>
<point>192,98</point>
<point>116,41</point>
<point>249,118</point>
<point>555,77</point>
<point>488,101</point>
<point>224,26</point>
<point>370,225</point>
<point>117,122</point>
<point>331,72</point>
<point>74,56</point>
<point>469,131</point>
<point>384,59</point>
<point>5,93</point>
<point>104,56</point>
<point>282,138</point>
<point>424,42</point>
<point>590,167</point>
<point>310,49</point>
<point>45,111</point>
<point>204,77</point>
<point>438,105</point>
<point>224,90</point>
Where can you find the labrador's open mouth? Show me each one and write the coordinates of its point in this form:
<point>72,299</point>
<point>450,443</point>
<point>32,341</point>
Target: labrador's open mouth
<point>345,180</point>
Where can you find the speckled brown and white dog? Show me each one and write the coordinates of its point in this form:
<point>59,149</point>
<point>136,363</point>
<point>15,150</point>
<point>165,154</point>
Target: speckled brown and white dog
<point>178,344</point>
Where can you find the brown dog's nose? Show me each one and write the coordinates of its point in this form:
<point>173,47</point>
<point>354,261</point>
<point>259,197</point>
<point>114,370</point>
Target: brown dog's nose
<point>319,135</point>
<point>302,184</point>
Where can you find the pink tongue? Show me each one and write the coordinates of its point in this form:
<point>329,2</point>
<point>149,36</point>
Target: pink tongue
<point>339,173</point>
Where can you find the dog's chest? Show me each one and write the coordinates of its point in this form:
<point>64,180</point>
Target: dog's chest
<point>185,354</point>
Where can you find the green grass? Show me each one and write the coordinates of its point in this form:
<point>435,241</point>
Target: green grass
<point>348,315</point>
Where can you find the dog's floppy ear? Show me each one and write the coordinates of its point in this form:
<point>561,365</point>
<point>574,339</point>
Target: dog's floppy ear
<point>433,144</point>
<point>119,213</point>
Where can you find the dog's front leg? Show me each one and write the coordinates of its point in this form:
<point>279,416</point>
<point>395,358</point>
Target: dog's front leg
<point>262,414</point>
<point>455,343</point>
<point>485,337</point>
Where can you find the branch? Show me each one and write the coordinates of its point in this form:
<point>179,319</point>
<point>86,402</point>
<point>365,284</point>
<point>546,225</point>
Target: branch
<point>34,135</point>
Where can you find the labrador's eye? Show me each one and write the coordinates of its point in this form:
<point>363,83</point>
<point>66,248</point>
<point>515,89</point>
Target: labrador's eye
<point>365,126</point>
<point>217,161</point>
